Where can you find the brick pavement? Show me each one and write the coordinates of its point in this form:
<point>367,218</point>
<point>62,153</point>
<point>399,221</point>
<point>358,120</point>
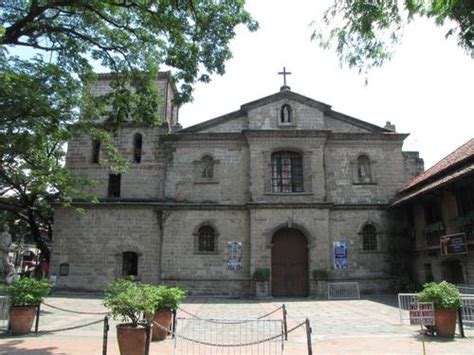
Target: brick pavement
<point>368,326</point>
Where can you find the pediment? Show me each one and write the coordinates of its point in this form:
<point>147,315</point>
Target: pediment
<point>266,114</point>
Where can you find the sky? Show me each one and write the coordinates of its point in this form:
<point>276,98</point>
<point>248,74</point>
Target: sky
<point>425,90</point>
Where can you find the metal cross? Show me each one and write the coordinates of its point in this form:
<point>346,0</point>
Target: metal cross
<point>284,73</point>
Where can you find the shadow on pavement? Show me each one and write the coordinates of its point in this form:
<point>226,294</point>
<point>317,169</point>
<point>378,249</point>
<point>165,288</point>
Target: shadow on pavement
<point>15,347</point>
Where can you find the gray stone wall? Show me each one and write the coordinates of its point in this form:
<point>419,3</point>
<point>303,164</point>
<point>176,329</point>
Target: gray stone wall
<point>182,263</point>
<point>184,181</point>
<point>387,170</point>
<point>92,244</point>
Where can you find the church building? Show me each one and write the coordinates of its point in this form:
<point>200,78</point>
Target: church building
<point>284,183</point>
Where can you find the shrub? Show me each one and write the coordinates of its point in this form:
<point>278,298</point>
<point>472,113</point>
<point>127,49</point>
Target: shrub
<point>261,274</point>
<point>128,301</point>
<point>445,296</point>
<point>28,292</point>
<point>169,298</point>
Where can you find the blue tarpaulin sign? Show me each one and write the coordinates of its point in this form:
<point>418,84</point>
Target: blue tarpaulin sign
<point>340,255</point>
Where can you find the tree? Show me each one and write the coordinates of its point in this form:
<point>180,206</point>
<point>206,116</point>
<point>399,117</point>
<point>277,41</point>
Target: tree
<point>41,96</point>
<point>366,31</point>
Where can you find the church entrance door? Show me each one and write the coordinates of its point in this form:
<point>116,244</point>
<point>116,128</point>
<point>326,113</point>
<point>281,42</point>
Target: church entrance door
<point>452,271</point>
<point>289,264</point>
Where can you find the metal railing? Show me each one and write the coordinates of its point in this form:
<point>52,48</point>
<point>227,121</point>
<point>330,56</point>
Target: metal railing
<point>404,300</point>
<point>343,290</point>
<point>466,289</point>
<point>4,311</point>
<point>467,310</point>
<point>219,336</point>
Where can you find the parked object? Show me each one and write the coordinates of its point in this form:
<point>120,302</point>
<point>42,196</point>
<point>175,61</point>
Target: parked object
<point>131,303</point>
<point>25,296</point>
<point>168,300</point>
<point>261,277</point>
<point>446,300</point>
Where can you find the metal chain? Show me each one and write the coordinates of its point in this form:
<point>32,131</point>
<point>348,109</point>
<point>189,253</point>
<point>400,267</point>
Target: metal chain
<point>76,312</point>
<point>70,328</point>
<point>229,345</point>
<point>227,322</point>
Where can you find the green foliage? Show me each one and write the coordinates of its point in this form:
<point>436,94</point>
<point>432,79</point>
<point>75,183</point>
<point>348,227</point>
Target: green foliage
<point>320,274</point>
<point>365,32</point>
<point>41,96</point>
<point>169,298</point>
<point>128,301</point>
<point>28,291</point>
<point>445,296</point>
<point>131,37</point>
<point>261,274</point>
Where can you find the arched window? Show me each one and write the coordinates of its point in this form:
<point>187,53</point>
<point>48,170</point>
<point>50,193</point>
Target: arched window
<point>95,152</point>
<point>137,148</point>
<point>287,172</point>
<point>363,169</point>
<point>206,239</point>
<point>369,238</point>
<point>129,263</point>
<point>285,114</point>
<point>207,167</point>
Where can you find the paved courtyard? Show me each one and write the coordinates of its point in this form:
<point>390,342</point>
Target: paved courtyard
<point>368,326</point>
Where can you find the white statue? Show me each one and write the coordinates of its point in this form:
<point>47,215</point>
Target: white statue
<point>8,268</point>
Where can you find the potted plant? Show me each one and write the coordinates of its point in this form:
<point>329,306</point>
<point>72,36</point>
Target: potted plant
<point>167,300</point>
<point>446,301</point>
<point>25,296</point>
<point>261,276</point>
<point>131,303</point>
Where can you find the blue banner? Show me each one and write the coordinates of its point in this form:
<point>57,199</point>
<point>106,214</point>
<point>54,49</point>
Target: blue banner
<point>340,255</point>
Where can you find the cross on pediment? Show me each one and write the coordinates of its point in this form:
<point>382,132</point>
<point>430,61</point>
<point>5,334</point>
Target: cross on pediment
<point>284,73</point>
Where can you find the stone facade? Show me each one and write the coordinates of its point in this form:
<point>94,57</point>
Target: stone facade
<point>241,177</point>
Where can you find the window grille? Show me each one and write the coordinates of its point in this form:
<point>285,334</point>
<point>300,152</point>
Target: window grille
<point>369,238</point>
<point>287,172</point>
<point>206,239</point>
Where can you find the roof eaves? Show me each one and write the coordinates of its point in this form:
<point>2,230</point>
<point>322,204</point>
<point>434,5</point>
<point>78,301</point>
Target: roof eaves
<point>212,122</point>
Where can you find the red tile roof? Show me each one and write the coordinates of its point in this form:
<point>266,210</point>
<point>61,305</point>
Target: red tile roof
<point>464,152</point>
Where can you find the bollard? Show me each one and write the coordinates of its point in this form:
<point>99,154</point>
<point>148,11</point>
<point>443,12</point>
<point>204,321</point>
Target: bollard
<point>147,338</point>
<point>285,326</point>
<point>37,317</point>
<point>174,323</point>
<point>104,340</point>
<point>308,337</point>
<point>461,326</point>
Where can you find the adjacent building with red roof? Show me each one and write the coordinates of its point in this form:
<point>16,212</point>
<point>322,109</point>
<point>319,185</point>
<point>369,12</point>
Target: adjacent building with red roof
<point>440,202</point>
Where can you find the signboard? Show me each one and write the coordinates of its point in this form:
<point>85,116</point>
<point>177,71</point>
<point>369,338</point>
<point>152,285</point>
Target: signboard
<point>234,262</point>
<point>422,313</point>
<point>340,255</point>
<point>453,244</point>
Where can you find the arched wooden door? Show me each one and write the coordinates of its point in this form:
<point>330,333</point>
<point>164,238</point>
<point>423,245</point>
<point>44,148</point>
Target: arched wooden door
<point>289,264</point>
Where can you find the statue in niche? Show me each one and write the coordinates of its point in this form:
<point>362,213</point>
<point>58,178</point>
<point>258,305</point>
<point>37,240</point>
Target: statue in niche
<point>207,167</point>
<point>285,114</point>
<point>363,169</point>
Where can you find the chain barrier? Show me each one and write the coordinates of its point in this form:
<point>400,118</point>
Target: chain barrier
<point>222,345</point>
<point>218,321</point>
<point>76,312</point>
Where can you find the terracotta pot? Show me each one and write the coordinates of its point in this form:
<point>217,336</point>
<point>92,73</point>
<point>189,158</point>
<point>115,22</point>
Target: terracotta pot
<point>21,319</point>
<point>131,339</point>
<point>445,323</point>
<point>164,319</point>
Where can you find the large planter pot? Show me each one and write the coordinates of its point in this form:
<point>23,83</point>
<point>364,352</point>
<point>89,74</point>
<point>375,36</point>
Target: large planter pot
<point>445,323</point>
<point>262,290</point>
<point>131,339</point>
<point>21,319</point>
<point>163,318</point>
